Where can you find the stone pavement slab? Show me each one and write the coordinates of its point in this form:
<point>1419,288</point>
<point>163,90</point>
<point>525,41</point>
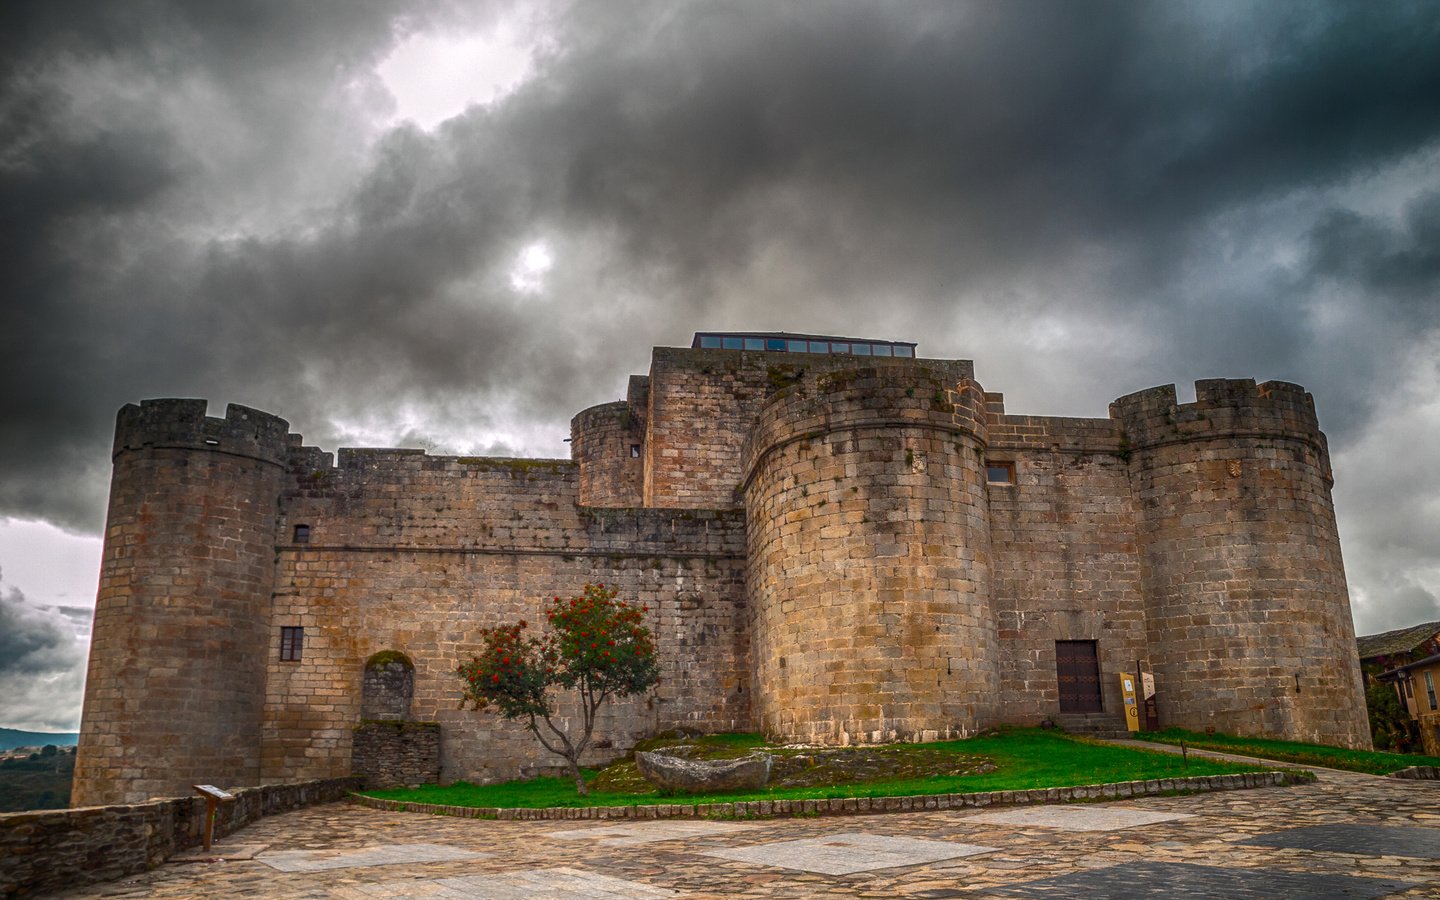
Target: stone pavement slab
<point>648,832</point>
<point>1077,818</point>
<point>848,852</point>
<point>1377,840</point>
<point>382,855</point>
<point>1214,836</point>
<point>1185,880</point>
<point>534,884</point>
<point>227,852</point>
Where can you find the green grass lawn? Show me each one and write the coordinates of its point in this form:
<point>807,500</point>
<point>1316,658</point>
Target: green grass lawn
<point>1023,759</point>
<point>1369,761</point>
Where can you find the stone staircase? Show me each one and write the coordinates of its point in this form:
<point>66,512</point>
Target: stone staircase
<point>1100,725</point>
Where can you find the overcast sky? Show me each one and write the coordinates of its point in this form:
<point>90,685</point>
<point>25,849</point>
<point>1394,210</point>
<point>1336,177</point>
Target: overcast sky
<point>416,224</point>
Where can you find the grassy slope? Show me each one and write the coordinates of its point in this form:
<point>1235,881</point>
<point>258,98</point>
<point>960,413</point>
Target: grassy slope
<point>36,784</point>
<point>1024,758</point>
<point>1372,762</point>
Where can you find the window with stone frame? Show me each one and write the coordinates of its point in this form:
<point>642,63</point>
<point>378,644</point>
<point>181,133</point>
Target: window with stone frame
<point>999,472</point>
<point>292,643</point>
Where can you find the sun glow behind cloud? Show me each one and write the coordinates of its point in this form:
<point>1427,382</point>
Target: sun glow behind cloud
<point>434,77</point>
<point>527,276</point>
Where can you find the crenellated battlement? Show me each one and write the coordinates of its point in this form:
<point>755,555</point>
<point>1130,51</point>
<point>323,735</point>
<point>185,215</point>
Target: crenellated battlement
<point>1223,408</point>
<point>182,424</point>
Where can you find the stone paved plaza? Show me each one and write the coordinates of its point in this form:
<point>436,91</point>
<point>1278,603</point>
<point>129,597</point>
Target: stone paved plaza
<point>1344,836</point>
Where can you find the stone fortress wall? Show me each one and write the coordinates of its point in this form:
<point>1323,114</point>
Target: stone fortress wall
<point>815,535</point>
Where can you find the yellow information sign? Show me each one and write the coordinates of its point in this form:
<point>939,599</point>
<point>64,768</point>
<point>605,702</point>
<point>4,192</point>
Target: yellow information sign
<point>1132,708</point>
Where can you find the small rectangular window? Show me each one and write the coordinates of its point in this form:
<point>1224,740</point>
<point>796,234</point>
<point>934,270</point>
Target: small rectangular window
<point>754,343</point>
<point>634,451</point>
<point>796,346</point>
<point>906,352</point>
<point>1000,472</point>
<point>709,342</point>
<point>302,534</point>
<point>292,643</point>
<point>881,350</point>
<point>819,346</point>
<point>860,349</point>
<point>732,343</point>
<point>1430,689</point>
<point>838,347</point>
<point>774,343</point>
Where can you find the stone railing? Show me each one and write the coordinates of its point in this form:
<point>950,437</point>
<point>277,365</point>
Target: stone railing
<point>47,850</point>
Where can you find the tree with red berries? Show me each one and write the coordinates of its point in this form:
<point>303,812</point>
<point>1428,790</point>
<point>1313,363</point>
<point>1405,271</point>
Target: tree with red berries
<point>595,645</point>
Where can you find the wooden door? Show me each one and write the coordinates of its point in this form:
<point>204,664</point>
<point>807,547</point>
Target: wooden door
<point>1077,667</point>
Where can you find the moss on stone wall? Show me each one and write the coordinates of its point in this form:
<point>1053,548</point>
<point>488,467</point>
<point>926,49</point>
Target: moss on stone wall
<point>385,657</point>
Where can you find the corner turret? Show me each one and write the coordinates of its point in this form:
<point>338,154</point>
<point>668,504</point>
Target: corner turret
<point>176,683</point>
<point>1247,612</point>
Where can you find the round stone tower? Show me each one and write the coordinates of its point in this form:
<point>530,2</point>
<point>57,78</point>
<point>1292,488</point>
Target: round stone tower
<point>868,546</point>
<point>605,441</point>
<point>176,683</point>
<point>1247,611</point>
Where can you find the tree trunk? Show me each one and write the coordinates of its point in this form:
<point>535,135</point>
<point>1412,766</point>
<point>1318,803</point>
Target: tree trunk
<point>580,787</point>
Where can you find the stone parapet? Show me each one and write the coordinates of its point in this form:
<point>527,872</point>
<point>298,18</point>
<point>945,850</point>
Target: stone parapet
<point>182,424</point>
<point>51,850</point>
<point>702,403</point>
<point>1224,409</point>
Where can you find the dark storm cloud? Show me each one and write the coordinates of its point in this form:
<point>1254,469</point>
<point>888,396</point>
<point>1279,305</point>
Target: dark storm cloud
<point>1394,266</point>
<point>42,664</point>
<point>31,639</point>
<point>97,281</point>
<point>196,202</point>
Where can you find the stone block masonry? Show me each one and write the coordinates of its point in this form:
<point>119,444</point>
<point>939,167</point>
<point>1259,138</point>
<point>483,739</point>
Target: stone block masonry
<point>869,559</point>
<point>397,754</point>
<point>833,549</point>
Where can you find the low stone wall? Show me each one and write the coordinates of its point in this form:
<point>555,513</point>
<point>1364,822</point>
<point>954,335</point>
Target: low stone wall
<point>856,805</point>
<point>1428,773</point>
<point>397,754</point>
<point>47,850</point>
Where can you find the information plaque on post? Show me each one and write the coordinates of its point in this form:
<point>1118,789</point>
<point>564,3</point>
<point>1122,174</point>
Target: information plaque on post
<point>1147,699</point>
<point>1132,709</point>
<point>213,798</point>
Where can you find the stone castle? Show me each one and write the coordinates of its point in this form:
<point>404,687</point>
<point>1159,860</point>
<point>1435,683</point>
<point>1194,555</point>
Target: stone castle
<point>838,541</point>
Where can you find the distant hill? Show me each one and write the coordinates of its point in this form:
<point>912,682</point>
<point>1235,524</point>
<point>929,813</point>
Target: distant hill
<point>10,738</point>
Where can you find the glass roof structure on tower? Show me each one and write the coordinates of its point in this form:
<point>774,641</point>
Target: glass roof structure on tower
<point>784,342</point>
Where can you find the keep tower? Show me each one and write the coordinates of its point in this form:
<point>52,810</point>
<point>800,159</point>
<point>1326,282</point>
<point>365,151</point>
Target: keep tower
<point>867,529</point>
<point>176,681</point>
<point>1247,611</point>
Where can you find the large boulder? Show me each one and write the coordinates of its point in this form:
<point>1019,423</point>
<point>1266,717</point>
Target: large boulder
<point>699,776</point>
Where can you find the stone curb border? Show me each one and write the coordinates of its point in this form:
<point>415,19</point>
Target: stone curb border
<point>1426,773</point>
<point>762,809</point>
